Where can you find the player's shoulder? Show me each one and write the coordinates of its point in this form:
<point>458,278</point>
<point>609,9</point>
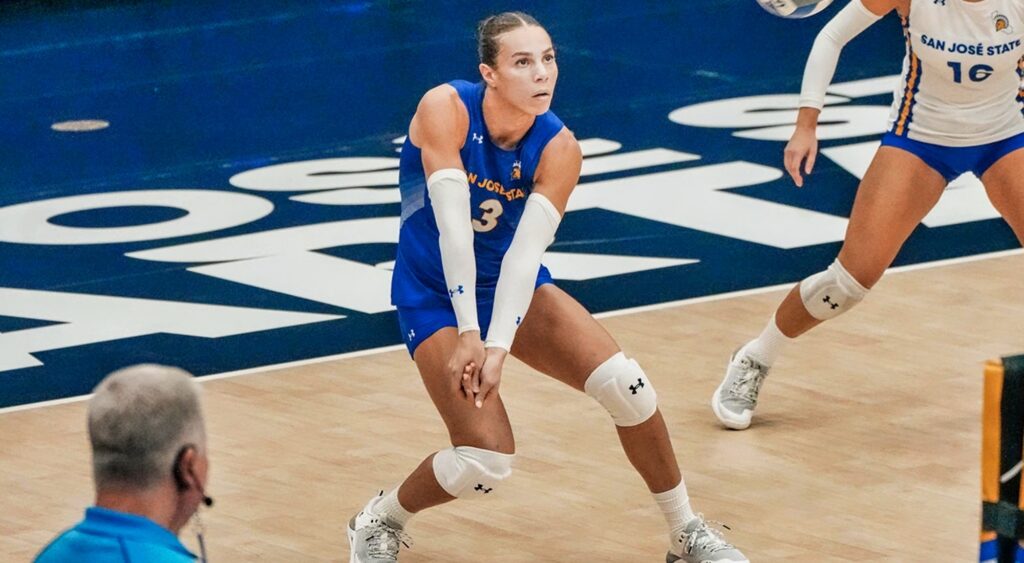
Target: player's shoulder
<point>440,98</point>
<point>440,114</point>
<point>562,158</point>
<point>883,7</point>
<point>564,144</point>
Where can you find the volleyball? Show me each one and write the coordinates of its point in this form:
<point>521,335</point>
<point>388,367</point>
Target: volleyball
<point>794,8</point>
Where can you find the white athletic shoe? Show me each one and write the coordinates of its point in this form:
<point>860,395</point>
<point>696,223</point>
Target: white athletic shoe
<point>700,543</point>
<point>371,539</point>
<point>736,397</point>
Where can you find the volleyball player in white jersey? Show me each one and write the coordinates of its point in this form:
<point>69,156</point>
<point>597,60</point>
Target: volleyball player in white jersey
<point>958,109</point>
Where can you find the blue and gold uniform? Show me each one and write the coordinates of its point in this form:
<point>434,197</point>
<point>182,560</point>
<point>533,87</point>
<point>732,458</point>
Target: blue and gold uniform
<point>499,182</point>
<point>960,103</point>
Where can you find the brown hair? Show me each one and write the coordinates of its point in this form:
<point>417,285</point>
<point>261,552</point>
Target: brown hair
<point>490,28</point>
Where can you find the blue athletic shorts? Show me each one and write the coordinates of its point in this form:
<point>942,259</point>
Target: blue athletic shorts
<point>419,323</point>
<point>954,161</point>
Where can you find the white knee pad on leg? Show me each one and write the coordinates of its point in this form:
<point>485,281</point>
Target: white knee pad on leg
<point>831,293</point>
<point>467,472</point>
<point>622,387</point>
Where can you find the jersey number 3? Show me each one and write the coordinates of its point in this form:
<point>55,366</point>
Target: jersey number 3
<point>490,210</point>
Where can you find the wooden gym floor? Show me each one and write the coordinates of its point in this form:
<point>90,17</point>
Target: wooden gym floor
<point>865,448</point>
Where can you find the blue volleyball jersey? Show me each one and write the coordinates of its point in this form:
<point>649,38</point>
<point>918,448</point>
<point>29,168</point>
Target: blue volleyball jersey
<point>499,182</point>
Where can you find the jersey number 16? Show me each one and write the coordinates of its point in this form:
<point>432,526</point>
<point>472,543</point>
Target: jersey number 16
<point>977,73</point>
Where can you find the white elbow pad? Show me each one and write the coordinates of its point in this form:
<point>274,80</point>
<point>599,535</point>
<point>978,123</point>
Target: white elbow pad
<point>821,63</point>
<point>512,296</point>
<point>449,195</point>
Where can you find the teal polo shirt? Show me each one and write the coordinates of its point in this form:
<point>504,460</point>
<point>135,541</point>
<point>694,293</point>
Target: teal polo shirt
<point>110,536</point>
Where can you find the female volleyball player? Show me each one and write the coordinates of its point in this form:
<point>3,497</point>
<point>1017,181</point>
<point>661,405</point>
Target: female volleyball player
<point>958,109</point>
<point>486,172</point>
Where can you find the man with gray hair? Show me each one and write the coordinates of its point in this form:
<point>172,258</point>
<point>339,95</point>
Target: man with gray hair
<point>149,465</point>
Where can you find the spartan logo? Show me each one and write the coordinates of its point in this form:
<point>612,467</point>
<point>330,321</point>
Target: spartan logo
<point>1002,23</point>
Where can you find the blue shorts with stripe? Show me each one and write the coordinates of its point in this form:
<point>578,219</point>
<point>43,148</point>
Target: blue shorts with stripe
<point>954,161</point>
<point>419,323</point>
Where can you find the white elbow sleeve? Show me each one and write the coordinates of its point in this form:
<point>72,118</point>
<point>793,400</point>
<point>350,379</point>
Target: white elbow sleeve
<point>821,63</point>
<point>512,296</point>
<point>449,195</point>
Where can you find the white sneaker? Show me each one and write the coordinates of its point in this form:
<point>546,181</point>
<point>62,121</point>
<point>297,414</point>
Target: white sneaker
<point>700,543</point>
<point>371,539</point>
<point>736,397</point>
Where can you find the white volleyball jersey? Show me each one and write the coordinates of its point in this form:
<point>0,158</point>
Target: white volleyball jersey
<point>963,74</point>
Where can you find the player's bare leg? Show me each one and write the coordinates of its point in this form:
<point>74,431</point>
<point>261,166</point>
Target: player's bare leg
<point>558,337</point>
<point>897,191</point>
<point>480,457</point>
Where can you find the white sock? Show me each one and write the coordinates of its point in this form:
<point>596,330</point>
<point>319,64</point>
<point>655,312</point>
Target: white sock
<point>675,505</point>
<point>388,508</point>
<point>765,349</point>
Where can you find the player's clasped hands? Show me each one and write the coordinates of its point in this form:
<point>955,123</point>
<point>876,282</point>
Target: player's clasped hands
<point>466,361</point>
<point>489,376</point>
<point>478,371</point>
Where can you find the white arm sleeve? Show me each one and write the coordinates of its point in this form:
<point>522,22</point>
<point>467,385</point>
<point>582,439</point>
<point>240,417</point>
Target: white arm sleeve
<point>821,63</point>
<point>449,195</point>
<point>519,268</point>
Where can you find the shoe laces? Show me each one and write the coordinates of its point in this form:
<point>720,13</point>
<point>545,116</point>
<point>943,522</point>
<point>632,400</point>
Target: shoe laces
<point>748,384</point>
<point>705,537</point>
<point>383,540</point>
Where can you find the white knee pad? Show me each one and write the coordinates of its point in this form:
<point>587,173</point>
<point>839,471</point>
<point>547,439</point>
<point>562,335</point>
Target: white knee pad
<point>623,389</point>
<point>831,293</point>
<point>467,472</point>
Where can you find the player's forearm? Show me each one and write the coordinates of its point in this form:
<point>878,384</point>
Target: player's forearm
<point>824,57</point>
<point>519,269</point>
<point>449,195</point>
<point>807,118</point>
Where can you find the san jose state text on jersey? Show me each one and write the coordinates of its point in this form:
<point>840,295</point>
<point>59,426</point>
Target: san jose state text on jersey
<point>219,268</point>
<point>966,49</point>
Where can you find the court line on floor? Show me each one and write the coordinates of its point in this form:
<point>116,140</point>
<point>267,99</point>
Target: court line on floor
<point>607,314</point>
